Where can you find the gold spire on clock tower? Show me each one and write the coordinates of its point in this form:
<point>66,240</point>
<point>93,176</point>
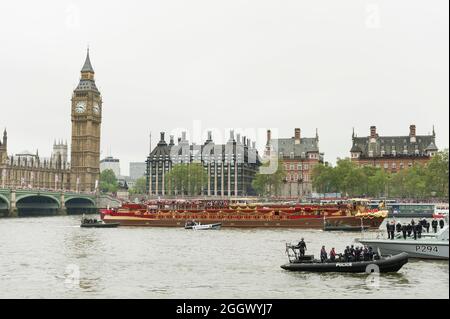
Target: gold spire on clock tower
<point>86,123</point>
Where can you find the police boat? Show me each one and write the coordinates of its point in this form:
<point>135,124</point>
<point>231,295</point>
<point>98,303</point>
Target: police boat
<point>94,223</point>
<point>309,264</point>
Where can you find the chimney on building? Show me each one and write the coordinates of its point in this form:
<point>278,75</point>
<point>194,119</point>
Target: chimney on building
<point>238,137</point>
<point>209,136</point>
<point>297,133</point>
<point>171,140</point>
<point>162,136</point>
<point>373,132</point>
<point>269,136</point>
<point>183,136</point>
<point>412,133</point>
<point>412,130</point>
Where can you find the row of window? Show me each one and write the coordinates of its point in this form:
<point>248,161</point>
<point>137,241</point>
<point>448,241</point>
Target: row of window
<point>393,165</point>
<point>295,178</point>
<point>298,167</point>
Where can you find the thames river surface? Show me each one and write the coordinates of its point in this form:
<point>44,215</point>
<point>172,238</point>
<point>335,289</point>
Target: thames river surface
<point>52,257</point>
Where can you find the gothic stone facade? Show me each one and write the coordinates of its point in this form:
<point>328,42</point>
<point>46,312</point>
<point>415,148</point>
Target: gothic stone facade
<point>393,153</point>
<point>30,170</point>
<point>299,156</point>
<point>230,167</point>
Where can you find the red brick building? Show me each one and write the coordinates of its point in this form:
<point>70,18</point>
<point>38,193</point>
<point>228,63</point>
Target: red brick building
<point>299,155</point>
<point>393,153</point>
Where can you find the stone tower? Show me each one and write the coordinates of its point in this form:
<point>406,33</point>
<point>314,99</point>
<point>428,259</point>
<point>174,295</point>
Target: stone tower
<point>59,152</point>
<point>4,148</point>
<point>86,122</point>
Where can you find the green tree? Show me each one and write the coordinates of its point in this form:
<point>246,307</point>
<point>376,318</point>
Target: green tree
<point>269,184</point>
<point>186,179</point>
<point>437,175</point>
<point>108,181</point>
<point>377,184</point>
<point>140,186</point>
<point>324,179</point>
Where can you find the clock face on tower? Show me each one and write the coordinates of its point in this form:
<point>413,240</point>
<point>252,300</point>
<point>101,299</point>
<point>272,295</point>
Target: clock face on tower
<point>80,107</point>
<point>96,108</point>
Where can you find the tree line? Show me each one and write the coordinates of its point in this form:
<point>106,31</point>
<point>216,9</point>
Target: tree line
<point>419,181</point>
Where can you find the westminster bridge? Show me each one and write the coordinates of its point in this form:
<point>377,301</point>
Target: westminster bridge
<point>29,202</point>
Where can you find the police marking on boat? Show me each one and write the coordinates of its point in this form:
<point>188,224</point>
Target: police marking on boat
<point>343,264</point>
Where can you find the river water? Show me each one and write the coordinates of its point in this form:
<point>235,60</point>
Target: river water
<point>52,257</point>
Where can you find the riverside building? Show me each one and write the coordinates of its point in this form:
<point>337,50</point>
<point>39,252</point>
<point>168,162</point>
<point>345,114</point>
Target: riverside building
<point>230,168</point>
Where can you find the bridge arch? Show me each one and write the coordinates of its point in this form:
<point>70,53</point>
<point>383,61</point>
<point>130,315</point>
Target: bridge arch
<point>80,205</point>
<point>37,204</point>
<point>4,205</point>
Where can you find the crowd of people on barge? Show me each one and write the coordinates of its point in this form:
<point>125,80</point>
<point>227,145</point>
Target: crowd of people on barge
<point>413,230</point>
<point>189,204</point>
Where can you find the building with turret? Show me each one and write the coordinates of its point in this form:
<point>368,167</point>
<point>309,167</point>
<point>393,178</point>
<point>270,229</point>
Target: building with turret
<point>393,153</point>
<point>299,155</point>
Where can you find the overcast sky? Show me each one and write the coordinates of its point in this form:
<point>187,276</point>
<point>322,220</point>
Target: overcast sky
<point>245,64</point>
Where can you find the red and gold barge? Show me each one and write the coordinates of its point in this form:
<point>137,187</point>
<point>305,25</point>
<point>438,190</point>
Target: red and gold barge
<point>275,216</point>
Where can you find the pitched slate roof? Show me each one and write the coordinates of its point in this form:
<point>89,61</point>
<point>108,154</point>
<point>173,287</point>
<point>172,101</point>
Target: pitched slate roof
<point>207,151</point>
<point>87,84</point>
<point>161,151</point>
<point>287,146</point>
<point>389,146</point>
<point>87,67</point>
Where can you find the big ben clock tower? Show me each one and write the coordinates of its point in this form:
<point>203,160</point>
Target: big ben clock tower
<point>86,122</point>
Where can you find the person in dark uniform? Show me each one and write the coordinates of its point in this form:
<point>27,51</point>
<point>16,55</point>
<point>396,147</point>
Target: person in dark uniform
<point>441,223</point>
<point>434,224</point>
<point>423,222</point>
<point>352,251</point>
<point>404,231</point>
<point>413,222</point>
<point>388,229</point>
<point>419,230</point>
<point>414,229</point>
<point>347,254</point>
<point>301,247</point>
<point>398,227</point>
<point>358,251</point>
<point>370,253</point>
<point>427,226</point>
<point>409,230</point>
<point>365,253</point>
<point>323,255</point>
<point>392,230</point>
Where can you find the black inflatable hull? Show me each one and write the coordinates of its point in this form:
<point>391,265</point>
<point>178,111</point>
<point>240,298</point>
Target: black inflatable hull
<point>100,225</point>
<point>388,264</point>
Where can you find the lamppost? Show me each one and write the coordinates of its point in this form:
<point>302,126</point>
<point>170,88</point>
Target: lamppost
<point>284,183</point>
<point>299,183</point>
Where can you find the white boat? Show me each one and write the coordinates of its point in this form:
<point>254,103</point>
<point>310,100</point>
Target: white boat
<point>430,246</point>
<point>199,226</point>
<point>441,210</point>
